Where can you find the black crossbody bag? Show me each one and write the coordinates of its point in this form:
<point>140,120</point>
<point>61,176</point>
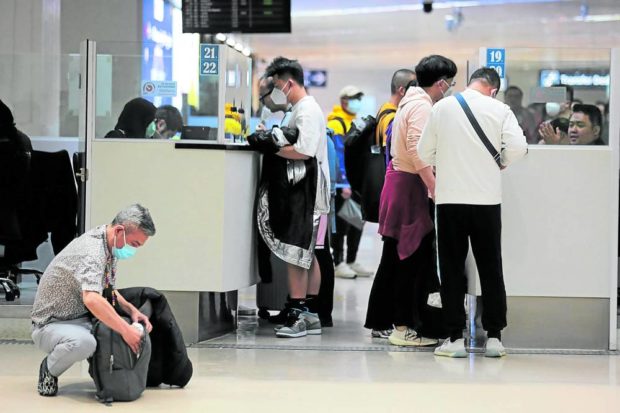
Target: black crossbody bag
<point>478,129</point>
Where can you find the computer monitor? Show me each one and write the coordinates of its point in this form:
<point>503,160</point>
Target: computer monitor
<point>203,133</point>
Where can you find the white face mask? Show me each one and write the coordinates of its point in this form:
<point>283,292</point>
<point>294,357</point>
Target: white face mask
<point>552,108</point>
<point>278,97</point>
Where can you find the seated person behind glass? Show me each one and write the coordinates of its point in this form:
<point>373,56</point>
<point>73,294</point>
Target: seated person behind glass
<point>584,128</point>
<point>141,119</point>
<point>167,123</point>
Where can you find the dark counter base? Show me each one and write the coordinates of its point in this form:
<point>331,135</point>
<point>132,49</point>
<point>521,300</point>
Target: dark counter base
<point>213,146</point>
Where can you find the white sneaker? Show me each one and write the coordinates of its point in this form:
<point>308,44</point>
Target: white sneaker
<point>495,348</point>
<point>360,270</point>
<point>450,349</point>
<point>409,337</point>
<point>344,271</point>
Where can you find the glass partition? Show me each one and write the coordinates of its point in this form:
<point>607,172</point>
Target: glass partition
<point>139,92</point>
<point>38,192</point>
<point>561,95</point>
<point>237,104</point>
<point>192,91</point>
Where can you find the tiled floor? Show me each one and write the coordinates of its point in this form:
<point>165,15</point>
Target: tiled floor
<point>358,374</point>
<point>227,380</point>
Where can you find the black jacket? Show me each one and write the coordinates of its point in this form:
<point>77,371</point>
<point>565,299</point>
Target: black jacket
<point>169,361</point>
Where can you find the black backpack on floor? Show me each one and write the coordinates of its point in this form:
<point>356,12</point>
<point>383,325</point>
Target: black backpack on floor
<point>119,373</point>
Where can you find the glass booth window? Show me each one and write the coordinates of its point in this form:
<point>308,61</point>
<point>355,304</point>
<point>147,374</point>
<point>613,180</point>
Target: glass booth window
<point>559,96</point>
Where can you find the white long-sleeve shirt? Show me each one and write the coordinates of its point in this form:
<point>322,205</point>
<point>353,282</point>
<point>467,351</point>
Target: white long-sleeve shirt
<point>466,171</point>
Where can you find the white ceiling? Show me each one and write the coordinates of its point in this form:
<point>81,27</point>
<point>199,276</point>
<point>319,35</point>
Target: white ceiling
<point>386,34</point>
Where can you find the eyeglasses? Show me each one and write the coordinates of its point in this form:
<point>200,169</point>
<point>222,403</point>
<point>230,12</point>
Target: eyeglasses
<point>451,84</point>
<point>261,98</point>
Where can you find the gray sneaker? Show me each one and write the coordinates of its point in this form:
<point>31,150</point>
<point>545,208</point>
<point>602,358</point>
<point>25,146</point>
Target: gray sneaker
<point>295,326</point>
<point>313,323</point>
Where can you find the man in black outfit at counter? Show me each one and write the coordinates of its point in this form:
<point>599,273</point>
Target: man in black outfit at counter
<point>294,198</point>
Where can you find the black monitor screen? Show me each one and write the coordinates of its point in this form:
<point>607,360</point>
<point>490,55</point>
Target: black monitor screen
<point>203,133</point>
<point>240,16</point>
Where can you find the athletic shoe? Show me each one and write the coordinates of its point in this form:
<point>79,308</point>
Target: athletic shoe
<point>409,337</point>
<point>295,325</point>
<point>48,384</point>
<point>452,349</point>
<point>494,348</point>
<point>344,271</point>
<point>313,323</point>
<point>327,321</point>
<point>360,270</point>
<point>381,333</point>
<point>281,317</point>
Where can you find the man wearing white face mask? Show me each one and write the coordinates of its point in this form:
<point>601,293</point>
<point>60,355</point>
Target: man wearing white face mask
<point>292,208</point>
<point>74,285</point>
<point>339,120</point>
<point>265,90</point>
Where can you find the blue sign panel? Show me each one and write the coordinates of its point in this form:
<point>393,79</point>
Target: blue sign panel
<point>157,45</point>
<point>496,59</point>
<point>209,56</point>
<point>315,78</point>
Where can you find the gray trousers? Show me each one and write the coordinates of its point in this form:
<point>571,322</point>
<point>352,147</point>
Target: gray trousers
<point>65,342</point>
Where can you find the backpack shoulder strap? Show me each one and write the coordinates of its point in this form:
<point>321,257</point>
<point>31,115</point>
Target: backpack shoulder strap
<point>378,135</point>
<point>344,125</point>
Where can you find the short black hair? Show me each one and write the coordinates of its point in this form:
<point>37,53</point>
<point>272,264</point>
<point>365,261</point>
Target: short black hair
<point>401,78</point>
<point>172,116</point>
<point>7,122</point>
<point>488,75</point>
<point>432,68</point>
<point>287,69</point>
<point>515,88</point>
<point>592,111</point>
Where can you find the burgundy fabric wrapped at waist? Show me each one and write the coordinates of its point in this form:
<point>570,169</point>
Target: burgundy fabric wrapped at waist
<point>404,210</point>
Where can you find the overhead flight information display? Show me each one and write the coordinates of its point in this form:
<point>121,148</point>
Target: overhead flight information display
<point>240,16</point>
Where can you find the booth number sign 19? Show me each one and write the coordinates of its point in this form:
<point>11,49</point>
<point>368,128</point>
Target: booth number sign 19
<point>209,55</point>
<point>496,59</point>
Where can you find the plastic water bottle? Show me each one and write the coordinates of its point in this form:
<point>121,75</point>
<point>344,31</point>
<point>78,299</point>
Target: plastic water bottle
<point>138,327</point>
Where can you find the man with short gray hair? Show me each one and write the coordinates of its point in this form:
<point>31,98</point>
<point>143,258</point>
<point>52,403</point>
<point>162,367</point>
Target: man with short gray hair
<point>469,139</point>
<point>72,288</point>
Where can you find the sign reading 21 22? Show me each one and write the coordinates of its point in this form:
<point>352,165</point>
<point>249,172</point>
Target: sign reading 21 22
<point>209,56</point>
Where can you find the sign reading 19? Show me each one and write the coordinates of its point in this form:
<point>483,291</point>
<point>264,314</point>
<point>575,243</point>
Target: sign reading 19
<point>496,56</point>
<point>209,55</point>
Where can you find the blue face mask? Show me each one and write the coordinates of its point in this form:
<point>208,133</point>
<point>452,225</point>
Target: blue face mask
<point>354,106</point>
<point>127,251</point>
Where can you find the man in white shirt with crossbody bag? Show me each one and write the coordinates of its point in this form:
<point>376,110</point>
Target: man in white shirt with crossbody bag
<point>469,139</point>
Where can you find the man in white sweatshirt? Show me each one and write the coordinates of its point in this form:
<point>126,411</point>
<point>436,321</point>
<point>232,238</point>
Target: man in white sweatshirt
<point>468,195</point>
